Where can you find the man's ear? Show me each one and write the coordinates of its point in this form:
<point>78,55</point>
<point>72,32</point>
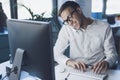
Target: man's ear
<point>79,10</point>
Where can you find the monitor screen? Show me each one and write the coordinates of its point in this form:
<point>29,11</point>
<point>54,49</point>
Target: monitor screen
<point>35,38</point>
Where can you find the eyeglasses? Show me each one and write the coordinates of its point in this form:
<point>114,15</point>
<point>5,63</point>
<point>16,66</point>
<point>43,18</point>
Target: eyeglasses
<point>69,18</point>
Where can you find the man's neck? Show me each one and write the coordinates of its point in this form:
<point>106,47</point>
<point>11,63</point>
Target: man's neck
<point>86,22</point>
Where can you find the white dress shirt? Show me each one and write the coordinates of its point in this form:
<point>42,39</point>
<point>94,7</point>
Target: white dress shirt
<point>90,45</point>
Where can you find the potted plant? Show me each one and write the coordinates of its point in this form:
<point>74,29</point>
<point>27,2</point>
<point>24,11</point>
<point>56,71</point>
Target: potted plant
<point>36,17</point>
<point>40,17</point>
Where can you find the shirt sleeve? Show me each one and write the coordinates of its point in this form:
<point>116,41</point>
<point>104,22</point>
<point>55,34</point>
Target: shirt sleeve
<point>109,46</point>
<point>60,46</point>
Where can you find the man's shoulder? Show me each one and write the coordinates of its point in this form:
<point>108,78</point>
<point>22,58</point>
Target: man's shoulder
<point>65,28</point>
<point>101,23</point>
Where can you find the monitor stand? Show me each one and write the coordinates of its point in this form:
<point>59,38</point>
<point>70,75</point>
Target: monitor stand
<point>16,67</point>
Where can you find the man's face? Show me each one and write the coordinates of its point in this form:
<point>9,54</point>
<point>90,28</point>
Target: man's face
<point>72,18</point>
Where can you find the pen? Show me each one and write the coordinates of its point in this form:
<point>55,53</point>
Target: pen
<point>89,66</point>
<point>0,76</point>
<point>67,76</point>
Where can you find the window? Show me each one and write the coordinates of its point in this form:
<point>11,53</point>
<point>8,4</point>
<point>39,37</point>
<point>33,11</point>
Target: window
<point>97,5</point>
<point>6,7</point>
<point>113,6</point>
<point>36,6</point>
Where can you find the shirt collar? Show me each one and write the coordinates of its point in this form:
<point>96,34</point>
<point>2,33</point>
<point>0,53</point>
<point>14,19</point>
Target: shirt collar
<point>81,29</point>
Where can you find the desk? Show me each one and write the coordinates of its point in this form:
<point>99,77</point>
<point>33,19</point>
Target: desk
<point>24,75</point>
<point>113,74</point>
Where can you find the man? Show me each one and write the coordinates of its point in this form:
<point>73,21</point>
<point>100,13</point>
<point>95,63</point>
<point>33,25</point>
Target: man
<point>91,41</point>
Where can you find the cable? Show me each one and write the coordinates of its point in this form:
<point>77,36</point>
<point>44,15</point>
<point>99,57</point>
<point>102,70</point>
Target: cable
<point>4,77</point>
<point>67,76</point>
<point>9,71</point>
<point>0,76</point>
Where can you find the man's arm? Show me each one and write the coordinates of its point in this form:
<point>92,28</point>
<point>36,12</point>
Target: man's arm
<point>60,46</point>
<point>109,48</point>
<point>109,51</point>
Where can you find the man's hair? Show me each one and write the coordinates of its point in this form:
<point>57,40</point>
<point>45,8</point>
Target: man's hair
<point>71,4</point>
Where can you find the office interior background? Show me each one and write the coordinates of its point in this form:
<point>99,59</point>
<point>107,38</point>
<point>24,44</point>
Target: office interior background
<point>18,9</point>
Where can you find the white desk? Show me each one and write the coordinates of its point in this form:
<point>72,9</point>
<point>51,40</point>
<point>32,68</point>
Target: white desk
<point>24,75</point>
<point>112,74</point>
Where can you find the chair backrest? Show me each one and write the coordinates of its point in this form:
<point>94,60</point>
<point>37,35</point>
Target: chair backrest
<point>111,19</point>
<point>116,34</point>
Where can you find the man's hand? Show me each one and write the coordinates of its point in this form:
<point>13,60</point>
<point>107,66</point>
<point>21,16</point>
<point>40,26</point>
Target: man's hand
<point>100,67</point>
<point>76,65</point>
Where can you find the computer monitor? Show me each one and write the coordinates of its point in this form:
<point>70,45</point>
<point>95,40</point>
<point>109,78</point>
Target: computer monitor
<point>35,37</point>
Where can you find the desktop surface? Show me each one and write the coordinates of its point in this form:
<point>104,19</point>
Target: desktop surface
<point>60,74</point>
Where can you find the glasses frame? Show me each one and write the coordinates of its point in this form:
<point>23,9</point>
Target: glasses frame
<point>69,17</point>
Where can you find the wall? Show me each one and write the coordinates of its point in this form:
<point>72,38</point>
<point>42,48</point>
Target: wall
<point>86,6</point>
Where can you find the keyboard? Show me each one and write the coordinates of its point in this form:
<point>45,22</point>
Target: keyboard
<point>89,74</point>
